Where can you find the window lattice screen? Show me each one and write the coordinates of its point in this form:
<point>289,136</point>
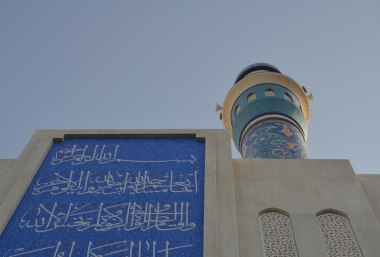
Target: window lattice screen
<point>338,236</point>
<point>277,235</point>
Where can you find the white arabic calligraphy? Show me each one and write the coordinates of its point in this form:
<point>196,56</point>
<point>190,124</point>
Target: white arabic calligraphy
<point>102,154</point>
<point>124,247</point>
<point>110,182</point>
<point>123,216</point>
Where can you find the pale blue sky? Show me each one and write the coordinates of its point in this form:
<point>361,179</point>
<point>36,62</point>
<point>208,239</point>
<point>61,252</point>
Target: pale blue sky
<point>164,64</point>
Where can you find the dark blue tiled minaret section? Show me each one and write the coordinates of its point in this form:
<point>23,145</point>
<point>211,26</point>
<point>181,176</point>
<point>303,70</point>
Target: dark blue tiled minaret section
<point>274,139</point>
<point>256,67</point>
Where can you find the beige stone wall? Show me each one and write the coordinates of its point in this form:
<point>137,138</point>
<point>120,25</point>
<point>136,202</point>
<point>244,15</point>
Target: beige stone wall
<point>5,166</point>
<point>301,188</point>
<point>5,169</point>
<point>371,186</point>
<point>238,191</point>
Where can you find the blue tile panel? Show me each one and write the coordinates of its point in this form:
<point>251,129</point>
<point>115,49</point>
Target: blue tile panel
<point>112,197</point>
<point>274,139</point>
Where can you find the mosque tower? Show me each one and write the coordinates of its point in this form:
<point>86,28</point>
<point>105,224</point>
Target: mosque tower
<point>267,114</point>
<point>192,198</point>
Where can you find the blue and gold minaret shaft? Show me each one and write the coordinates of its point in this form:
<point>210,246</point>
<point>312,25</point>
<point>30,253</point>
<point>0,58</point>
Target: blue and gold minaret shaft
<point>267,114</point>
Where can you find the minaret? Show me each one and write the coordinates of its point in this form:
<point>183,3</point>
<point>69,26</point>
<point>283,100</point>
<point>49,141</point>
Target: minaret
<point>267,114</point>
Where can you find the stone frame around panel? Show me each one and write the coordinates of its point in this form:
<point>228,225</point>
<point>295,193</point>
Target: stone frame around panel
<point>37,148</point>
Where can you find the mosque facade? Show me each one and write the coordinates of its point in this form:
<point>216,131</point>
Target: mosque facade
<point>180,193</point>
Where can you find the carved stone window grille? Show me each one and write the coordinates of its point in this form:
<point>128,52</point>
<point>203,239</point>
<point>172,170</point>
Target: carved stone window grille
<point>277,235</point>
<point>338,236</point>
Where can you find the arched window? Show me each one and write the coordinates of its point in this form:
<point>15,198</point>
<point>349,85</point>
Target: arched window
<point>277,235</point>
<point>237,109</point>
<point>269,92</point>
<point>338,235</point>
<point>251,97</point>
<point>288,97</point>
